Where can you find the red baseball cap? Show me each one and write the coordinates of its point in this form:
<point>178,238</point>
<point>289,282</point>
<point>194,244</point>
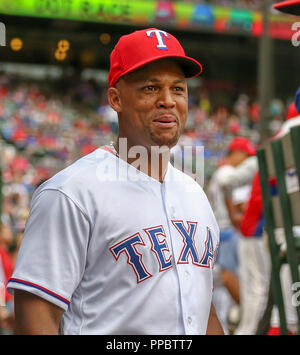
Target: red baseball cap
<point>292,111</point>
<point>291,7</point>
<point>145,46</point>
<point>243,144</point>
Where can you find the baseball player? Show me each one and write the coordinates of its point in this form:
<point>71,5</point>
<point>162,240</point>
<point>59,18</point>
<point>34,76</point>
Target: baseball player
<point>226,211</point>
<point>112,247</point>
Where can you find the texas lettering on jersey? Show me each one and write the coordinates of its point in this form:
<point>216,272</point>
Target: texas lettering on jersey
<point>159,247</point>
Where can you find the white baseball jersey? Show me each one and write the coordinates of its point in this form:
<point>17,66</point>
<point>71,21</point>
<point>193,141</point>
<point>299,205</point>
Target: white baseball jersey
<point>119,251</point>
<point>217,197</point>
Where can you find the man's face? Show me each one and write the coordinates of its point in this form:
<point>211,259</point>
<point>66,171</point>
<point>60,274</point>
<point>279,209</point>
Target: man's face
<point>238,156</point>
<point>152,103</point>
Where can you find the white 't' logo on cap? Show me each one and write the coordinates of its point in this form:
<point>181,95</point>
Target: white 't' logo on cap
<point>159,36</point>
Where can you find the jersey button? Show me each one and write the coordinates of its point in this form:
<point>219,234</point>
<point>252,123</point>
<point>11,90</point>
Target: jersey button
<point>189,320</point>
<point>172,210</point>
<point>186,274</point>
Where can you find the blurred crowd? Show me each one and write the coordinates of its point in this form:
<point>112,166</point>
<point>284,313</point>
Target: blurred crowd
<point>238,4</point>
<point>46,125</point>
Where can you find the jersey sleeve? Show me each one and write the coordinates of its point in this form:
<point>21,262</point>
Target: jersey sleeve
<point>51,258</point>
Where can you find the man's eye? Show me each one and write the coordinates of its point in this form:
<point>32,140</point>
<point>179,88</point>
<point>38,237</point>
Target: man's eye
<point>178,88</point>
<point>149,88</point>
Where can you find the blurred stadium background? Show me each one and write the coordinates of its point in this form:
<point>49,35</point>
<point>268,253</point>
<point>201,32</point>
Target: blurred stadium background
<point>54,60</point>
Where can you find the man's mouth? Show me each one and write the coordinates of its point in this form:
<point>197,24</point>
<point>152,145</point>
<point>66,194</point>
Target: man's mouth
<point>165,121</point>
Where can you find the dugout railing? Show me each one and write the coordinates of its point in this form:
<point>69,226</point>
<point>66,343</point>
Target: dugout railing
<point>279,170</point>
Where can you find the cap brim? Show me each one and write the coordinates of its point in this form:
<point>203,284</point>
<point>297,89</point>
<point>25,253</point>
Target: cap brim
<point>190,66</point>
<point>291,7</point>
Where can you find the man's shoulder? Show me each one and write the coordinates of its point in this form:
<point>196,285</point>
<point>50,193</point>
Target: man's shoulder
<point>225,169</point>
<point>222,172</point>
<point>79,175</point>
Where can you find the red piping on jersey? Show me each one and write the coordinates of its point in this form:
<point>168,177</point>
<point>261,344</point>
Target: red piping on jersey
<point>40,288</point>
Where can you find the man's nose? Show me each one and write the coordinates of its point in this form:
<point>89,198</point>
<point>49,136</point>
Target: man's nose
<point>166,99</point>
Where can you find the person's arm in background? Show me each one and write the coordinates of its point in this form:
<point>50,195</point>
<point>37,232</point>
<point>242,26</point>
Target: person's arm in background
<point>214,326</point>
<point>234,213</point>
<point>231,282</point>
<point>35,316</point>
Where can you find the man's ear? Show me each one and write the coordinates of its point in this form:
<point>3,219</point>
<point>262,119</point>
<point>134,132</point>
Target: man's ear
<point>114,99</point>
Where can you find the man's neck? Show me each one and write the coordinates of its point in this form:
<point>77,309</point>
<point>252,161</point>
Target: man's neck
<point>151,161</point>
